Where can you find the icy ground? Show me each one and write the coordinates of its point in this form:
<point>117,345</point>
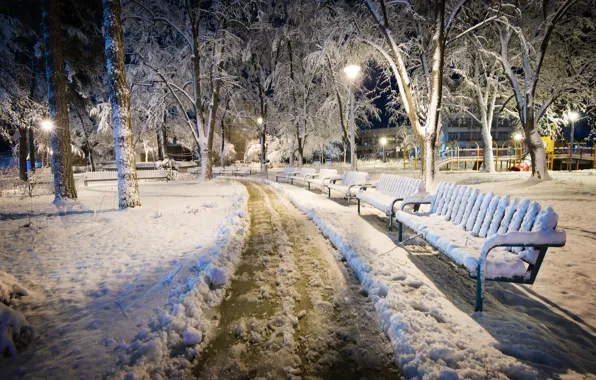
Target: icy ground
<point>294,309</point>
<point>548,326</point>
<point>101,282</point>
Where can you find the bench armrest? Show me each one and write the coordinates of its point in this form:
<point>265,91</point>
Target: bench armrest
<point>364,186</point>
<point>549,238</point>
<point>416,200</point>
<point>306,176</point>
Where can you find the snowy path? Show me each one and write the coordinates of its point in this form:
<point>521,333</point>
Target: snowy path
<point>293,309</point>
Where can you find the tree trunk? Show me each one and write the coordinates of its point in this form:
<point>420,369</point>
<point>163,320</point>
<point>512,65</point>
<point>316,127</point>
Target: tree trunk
<point>264,152</point>
<point>64,185</point>
<point>429,160</point>
<point>537,152</point>
<point>31,123</point>
<point>222,159</point>
<point>44,158</point>
<point>488,163</point>
<point>23,148</point>
<point>300,152</point>
<point>31,149</point>
<point>292,149</point>
<point>128,191</point>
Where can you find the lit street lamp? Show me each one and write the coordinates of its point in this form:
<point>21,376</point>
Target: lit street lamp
<point>384,142</point>
<point>260,121</point>
<point>47,125</point>
<point>518,137</point>
<point>572,117</point>
<point>352,72</point>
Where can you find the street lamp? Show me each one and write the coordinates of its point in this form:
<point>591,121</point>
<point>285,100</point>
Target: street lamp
<point>47,125</point>
<point>384,142</point>
<point>572,117</point>
<point>517,137</point>
<point>352,72</point>
<point>260,121</point>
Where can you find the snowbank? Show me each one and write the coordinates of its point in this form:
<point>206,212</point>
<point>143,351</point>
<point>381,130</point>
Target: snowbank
<point>430,336</point>
<point>15,332</point>
<point>173,341</point>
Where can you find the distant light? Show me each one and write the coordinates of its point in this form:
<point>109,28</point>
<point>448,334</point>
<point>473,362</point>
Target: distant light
<point>48,125</point>
<point>517,136</point>
<point>260,120</point>
<point>572,116</point>
<point>384,141</point>
<point>352,71</point>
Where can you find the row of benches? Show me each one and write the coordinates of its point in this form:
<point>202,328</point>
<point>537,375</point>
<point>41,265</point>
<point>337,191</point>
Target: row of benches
<point>494,238</point>
<point>113,175</point>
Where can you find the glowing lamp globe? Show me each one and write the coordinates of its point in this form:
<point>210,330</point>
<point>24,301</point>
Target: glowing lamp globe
<point>352,71</point>
<point>47,125</point>
<point>572,116</point>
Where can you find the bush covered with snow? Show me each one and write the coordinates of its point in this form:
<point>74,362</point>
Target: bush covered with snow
<point>15,332</point>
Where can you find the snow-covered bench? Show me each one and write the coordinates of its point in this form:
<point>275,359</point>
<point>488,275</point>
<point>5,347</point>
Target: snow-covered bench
<point>285,173</point>
<point>492,237</point>
<point>322,177</point>
<point>113,176</point>
<point>348,184</point>
<point>387,191</point>
<point>302,175</point>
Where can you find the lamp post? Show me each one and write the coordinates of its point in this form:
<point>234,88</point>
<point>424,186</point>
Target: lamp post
<point>260,122</point>
<point>572,117</point>
<point>383,143</point>
<point>48,126</point>
<point>352,72</point>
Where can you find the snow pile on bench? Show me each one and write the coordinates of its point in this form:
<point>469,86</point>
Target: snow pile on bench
<point>350,182</point>
<point>461,220</point>
<point>389,189</point>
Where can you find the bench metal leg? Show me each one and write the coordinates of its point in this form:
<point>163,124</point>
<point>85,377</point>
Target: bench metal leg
<point>358,205</point>
<point>391,222</point>
<point>399,231</point>
<point>329,194</point>
<point>308,185</point>
<point>479,297</point>
<point>349,200</point>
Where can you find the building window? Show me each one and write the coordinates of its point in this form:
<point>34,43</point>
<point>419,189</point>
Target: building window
<point>465,136</point>
<point>453,136</point>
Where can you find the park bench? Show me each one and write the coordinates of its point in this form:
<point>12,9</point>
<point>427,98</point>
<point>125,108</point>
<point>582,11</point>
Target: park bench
<point>322,177</point>
<point>302,175</point>
<point>113,176</point>
<point>494,238</point>
<point>350,182</point>
<point>387,191</point>
<point>285,173</point>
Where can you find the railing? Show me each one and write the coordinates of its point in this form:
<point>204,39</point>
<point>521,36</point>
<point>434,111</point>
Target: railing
<point>567,153</point>
<point>508,155</point>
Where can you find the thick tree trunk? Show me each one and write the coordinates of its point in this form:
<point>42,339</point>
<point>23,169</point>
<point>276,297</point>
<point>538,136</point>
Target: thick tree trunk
<point>44,159</point>
<point>292,149</point>
<point>488,164</point>
<point>161,139</point>
<point>128,191</point>
<point>23,148</point>
<point>429,161</point>
<point>300,151</point>
<point>64,185</point>
<point>31,149</point>
<point>537,153</point>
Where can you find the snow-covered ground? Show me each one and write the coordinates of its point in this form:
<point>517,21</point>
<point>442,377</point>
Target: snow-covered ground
<point>102,283</point>
<point>425,306</point>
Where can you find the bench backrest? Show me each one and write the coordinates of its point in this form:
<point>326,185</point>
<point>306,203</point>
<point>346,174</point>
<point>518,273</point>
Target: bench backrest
<point>484,215</point>
<point>307,171</point>
<point>327,173</point>
<point>113,175</point>
<point>397,186</point>
<point>354,178</point>
<point>287,171</point>
<point>102,175</point>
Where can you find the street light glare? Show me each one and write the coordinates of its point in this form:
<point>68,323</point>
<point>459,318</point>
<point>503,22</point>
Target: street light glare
<point>352,71</point>
<point>517,136</point>
<point>383,141</point>
<point>572,116</point>
<point>259,120</point>
<point>47,125</point>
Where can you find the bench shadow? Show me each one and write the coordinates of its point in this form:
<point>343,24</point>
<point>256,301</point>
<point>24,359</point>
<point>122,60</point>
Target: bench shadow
<point>525,325</point>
